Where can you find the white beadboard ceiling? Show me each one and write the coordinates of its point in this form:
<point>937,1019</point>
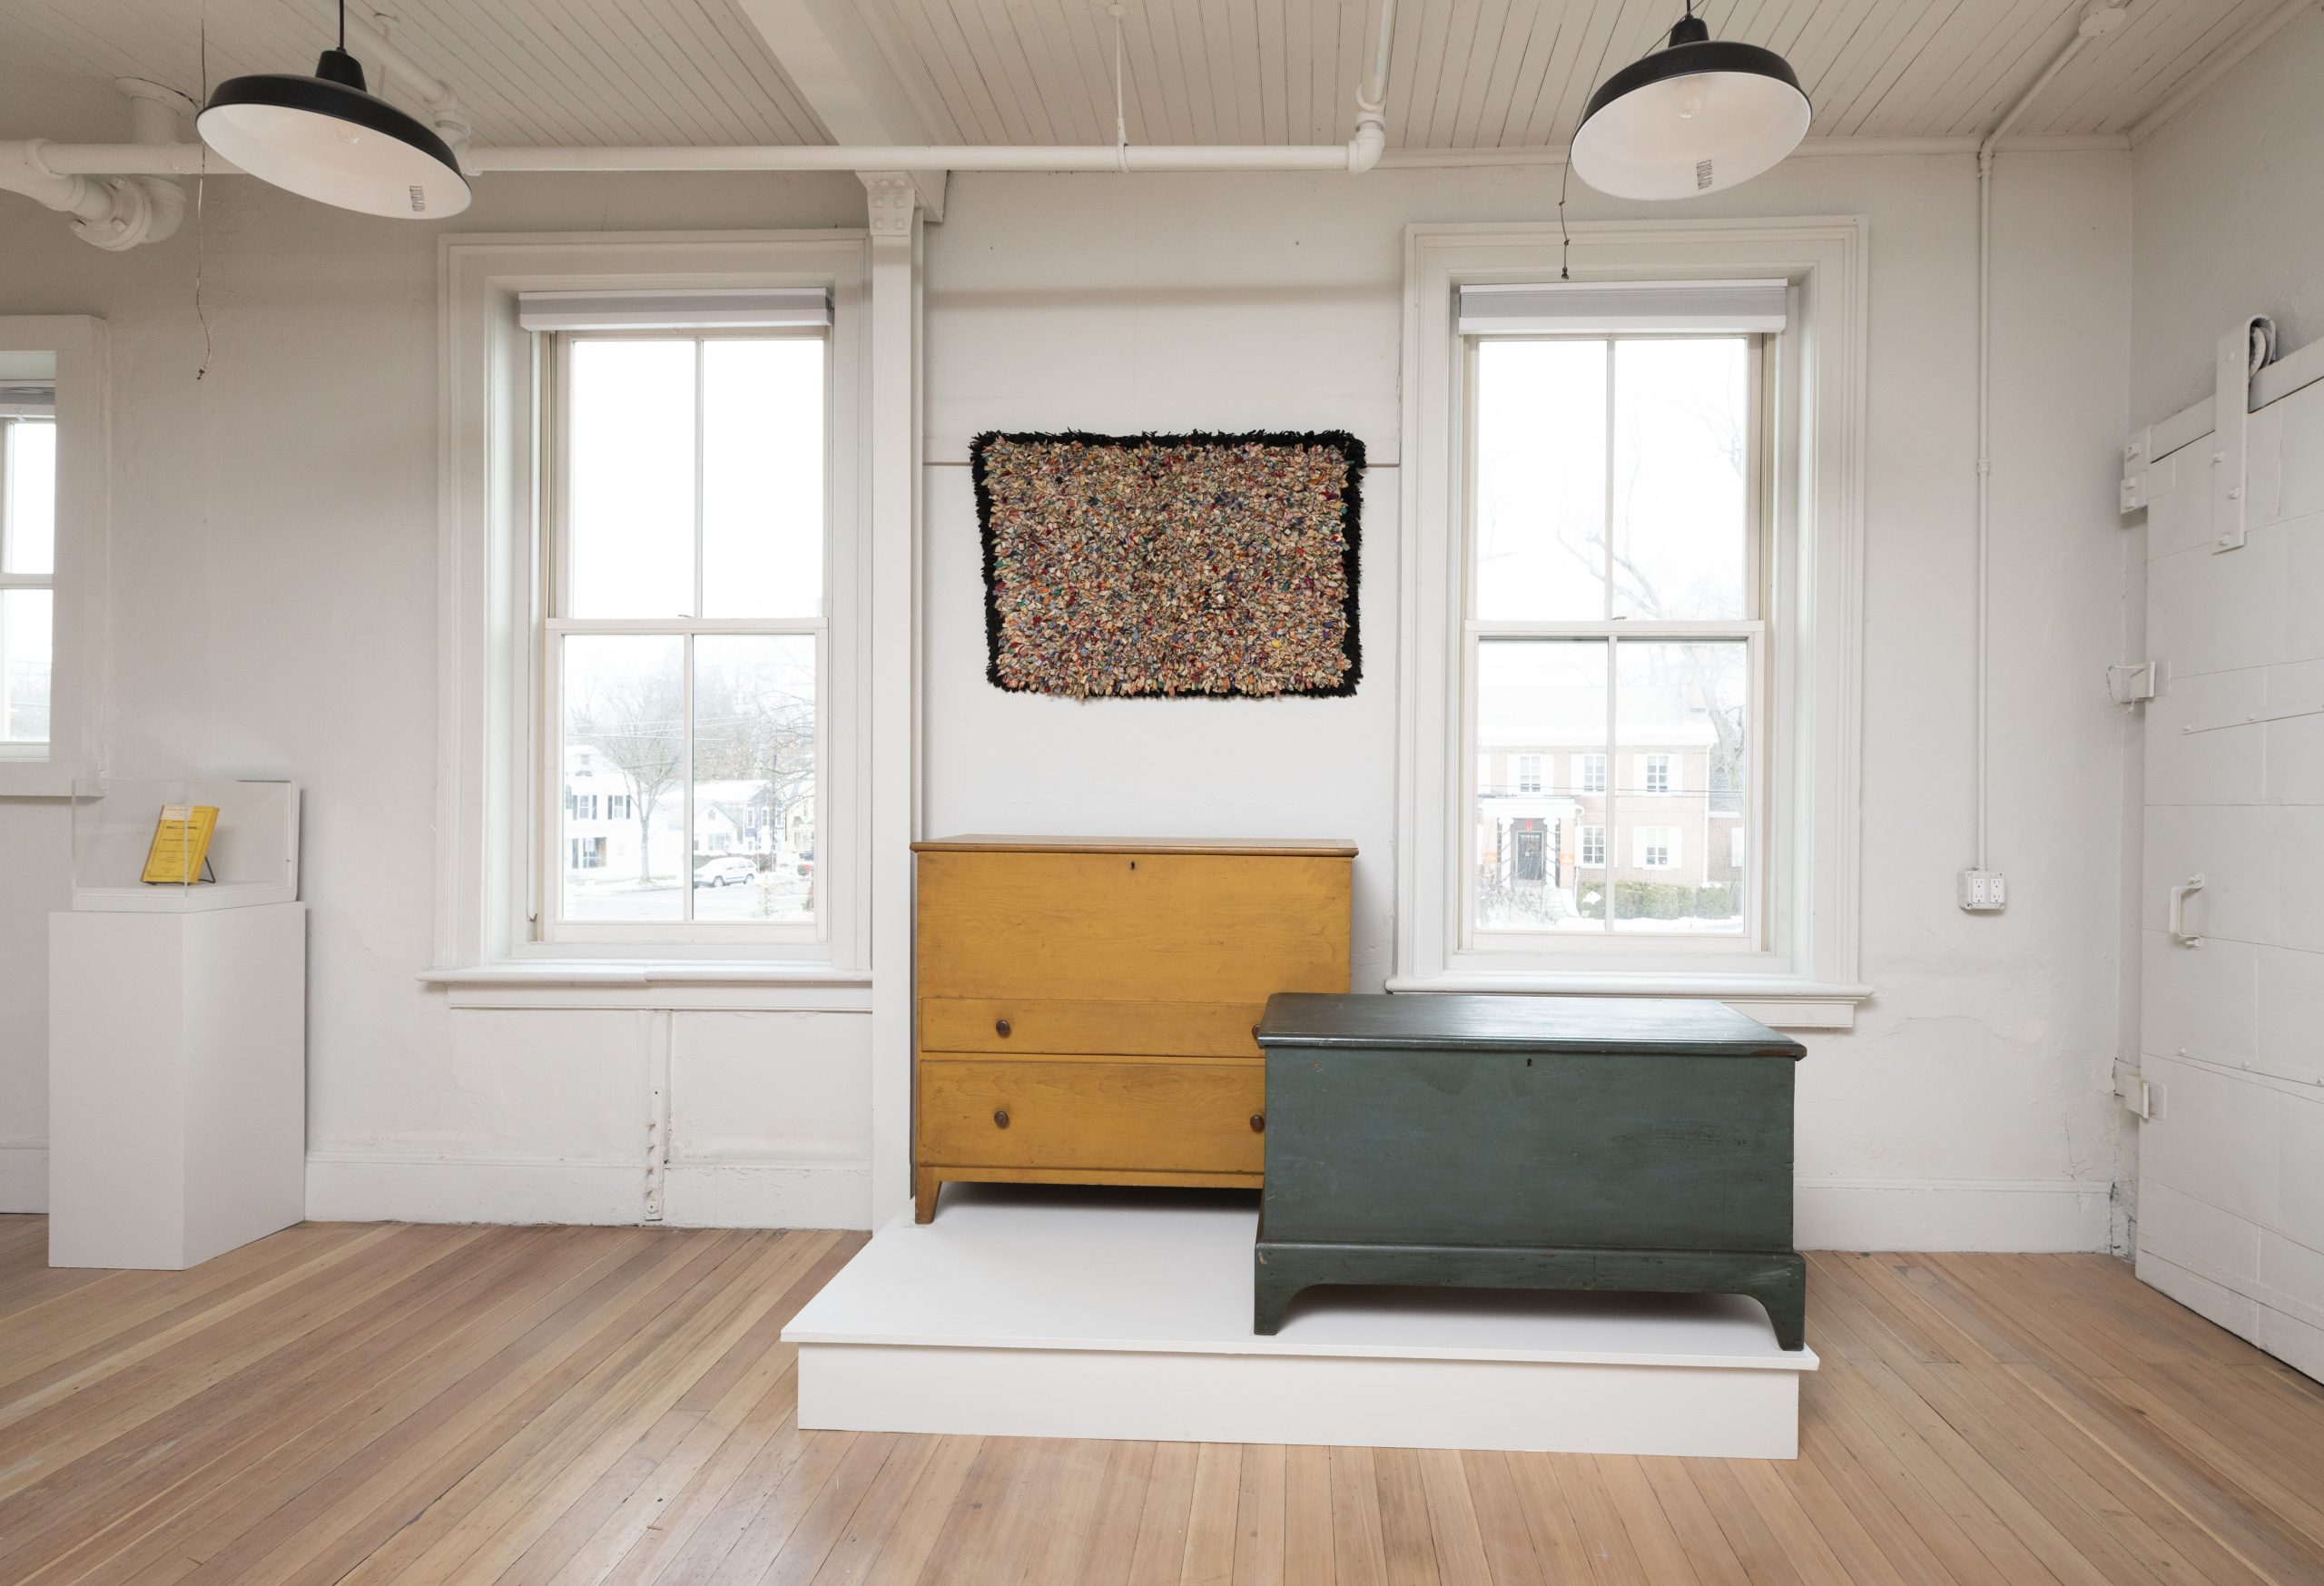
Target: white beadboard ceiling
<point>1469,73</point>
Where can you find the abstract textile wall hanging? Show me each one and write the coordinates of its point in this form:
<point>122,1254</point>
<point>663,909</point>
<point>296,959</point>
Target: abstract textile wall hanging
<point>1123,566</point>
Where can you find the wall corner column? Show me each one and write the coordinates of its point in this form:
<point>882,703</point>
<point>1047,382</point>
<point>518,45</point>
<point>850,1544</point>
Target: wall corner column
<point>893,207</point>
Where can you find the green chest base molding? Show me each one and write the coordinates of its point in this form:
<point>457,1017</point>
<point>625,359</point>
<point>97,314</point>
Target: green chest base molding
<point>1528,1142</point>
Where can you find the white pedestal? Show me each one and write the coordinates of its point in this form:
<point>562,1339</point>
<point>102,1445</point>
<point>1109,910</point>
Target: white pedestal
<point>1046,1314</point>
<point>177,1083</point>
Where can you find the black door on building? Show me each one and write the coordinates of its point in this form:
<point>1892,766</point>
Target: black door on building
<point>1531,844</point>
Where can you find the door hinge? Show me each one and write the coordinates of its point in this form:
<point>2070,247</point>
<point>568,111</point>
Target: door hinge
<point>2243,352</point>
<point>2133,680</point>
<point>2140,475</point>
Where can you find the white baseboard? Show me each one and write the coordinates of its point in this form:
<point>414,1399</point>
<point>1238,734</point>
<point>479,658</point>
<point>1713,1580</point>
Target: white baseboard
<point>351,1187</point>
<point>768,1195</point>
<point>2274,1320</point>
<point>360,1186</point>
<point>1833,1214</point>
<point>1950,1213</point>
<point>23,1175</point>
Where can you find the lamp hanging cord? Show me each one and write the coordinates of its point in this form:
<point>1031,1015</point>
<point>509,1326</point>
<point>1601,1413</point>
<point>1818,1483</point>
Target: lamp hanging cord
<point>343,23</point>
<point>1565,238</point>
<point>1121,122</point>
<point>201,196</point>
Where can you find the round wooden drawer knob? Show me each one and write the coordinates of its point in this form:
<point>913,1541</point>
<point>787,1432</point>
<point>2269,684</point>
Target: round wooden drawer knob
<point>1001,1118</point>
<point>1259,1123</point>
<point>1000,1027</point>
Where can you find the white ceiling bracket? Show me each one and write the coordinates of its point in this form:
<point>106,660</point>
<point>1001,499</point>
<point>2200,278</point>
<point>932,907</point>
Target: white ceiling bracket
<point>2243,352</point>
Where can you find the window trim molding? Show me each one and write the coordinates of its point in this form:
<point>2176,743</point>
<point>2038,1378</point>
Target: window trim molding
<point>77,668</point>
<point>488,603</point>
<point>1806,975</point>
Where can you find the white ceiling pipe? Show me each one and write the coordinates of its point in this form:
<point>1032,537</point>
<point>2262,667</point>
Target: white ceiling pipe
<point>370,37</point>
<point>1360,152</point>
<point>2099,17</point>
<point>117,209</point>
<point>157,119</point>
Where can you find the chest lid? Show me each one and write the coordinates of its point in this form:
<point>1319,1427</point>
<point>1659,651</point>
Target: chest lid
<point>1665,1026</point>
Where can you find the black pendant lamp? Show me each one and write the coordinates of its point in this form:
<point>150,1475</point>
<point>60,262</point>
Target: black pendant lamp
<point>1696,116</point>
<point>328,138</point>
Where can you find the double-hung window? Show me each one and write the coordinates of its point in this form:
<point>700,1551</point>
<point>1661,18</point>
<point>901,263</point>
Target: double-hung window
<point>27,562</point>
<point>1632,485</point>
<point>1614,611</point>
<point>685,634</point>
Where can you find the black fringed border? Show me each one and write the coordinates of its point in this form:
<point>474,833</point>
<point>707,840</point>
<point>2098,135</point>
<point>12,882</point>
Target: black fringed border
<point>1351,452</point>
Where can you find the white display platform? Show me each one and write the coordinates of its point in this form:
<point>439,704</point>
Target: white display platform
<point>1026,1312</point>
<point>177,1083</point>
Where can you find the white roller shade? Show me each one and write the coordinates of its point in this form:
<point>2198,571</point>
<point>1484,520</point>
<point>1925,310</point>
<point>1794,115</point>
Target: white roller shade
<point>1603,307</point>
<point>737,308</point>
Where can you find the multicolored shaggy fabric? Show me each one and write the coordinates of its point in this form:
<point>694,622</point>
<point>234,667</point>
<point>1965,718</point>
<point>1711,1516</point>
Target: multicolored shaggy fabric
<point>1132,565</point>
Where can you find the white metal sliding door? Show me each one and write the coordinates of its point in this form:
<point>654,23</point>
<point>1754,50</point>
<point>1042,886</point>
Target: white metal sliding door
<point>2232,1153</point>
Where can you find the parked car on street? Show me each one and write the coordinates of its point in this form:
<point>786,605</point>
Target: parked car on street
<point>726,870</point>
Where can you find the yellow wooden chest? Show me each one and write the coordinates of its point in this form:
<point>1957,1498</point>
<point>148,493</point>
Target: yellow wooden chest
<point>1086,1004</point>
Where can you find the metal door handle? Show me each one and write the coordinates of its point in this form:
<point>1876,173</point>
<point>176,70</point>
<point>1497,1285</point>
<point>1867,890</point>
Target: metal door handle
<point>2193,883</point>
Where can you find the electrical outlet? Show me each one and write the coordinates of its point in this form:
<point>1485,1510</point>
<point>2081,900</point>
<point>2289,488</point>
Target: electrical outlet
<point>1982,892</point>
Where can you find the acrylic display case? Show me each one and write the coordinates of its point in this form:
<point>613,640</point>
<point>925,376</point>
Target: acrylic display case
<point>253,854</point>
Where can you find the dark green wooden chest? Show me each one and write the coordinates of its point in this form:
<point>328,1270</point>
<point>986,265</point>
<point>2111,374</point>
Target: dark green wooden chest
<point>1528,1142</point>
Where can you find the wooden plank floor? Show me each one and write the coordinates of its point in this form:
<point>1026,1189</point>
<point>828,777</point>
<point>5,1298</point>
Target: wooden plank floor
<point>560,1406</point>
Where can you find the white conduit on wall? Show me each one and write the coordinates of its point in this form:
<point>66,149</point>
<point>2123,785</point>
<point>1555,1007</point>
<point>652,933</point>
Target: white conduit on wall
<point>61,175</point>
<point>2101,17</point>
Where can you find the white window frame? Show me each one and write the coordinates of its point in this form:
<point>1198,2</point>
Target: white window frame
<point>1802,967</point>
<point>491,674</point>
<point>1590,773</point>
<point>546,905</point>
<point>1581,845</point>
<point>1650,764</point>
<point>1650,838</point>
<point>1529,770</point>
<point>77,603</point>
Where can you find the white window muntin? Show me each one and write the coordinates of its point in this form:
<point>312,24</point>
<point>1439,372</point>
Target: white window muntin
<point>546,893</point>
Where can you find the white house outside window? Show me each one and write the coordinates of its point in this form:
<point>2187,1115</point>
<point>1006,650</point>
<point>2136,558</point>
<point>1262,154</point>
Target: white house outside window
<point>1529,774</point>
<point>1614,622</point>
<point>685,642</point>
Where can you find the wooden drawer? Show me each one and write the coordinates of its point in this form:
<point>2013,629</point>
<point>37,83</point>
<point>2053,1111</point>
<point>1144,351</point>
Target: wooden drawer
<point>1011,1026</point>
<point>1131,927</point>
<point>1112,1115</point>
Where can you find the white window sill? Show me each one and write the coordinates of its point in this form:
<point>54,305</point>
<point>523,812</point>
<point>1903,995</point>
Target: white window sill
<point>1780,1001</point>
<point>737,985</point>
<point>25,778</point>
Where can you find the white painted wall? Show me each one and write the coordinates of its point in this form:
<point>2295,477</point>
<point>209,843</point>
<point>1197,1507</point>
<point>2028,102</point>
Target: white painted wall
<point>1970,1107</point>
<point>274,614</point>
<point>2227,221</point>
<point>291,631</point>
<point>2231,1169</point>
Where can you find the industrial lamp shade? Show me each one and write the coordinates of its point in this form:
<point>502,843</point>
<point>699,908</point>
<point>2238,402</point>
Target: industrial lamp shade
<point>1699,115</point>
<point>324,137</point>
